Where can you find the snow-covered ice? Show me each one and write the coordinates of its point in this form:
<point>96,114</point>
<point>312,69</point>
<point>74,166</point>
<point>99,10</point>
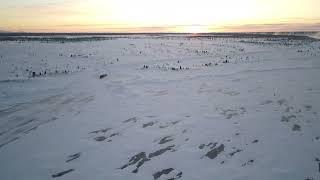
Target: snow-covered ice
<point>171,106</point>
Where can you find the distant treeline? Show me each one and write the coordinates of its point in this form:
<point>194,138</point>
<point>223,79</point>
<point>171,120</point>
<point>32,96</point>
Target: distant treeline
<point>49,38</point>
<point>76,37</point>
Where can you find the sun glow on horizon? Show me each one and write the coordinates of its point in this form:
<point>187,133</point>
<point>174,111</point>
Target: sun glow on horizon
<point>194,29</point>
<point>159,16</point>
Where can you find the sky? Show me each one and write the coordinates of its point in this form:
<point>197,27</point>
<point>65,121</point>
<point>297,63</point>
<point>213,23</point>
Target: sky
<point>192,16</point>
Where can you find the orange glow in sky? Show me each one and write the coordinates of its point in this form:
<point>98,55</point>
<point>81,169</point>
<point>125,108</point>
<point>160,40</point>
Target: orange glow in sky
<point>159,16</point>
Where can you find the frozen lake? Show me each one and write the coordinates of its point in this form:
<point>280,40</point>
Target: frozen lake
<point>166,107</point>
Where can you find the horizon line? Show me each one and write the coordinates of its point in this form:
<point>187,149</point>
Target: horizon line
<point>146,32</point>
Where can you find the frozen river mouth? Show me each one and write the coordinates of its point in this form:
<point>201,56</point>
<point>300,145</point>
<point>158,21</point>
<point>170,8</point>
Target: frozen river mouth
<point>160,107</point>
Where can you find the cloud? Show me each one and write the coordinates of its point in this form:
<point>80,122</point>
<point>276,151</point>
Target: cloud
<point>273,27</point>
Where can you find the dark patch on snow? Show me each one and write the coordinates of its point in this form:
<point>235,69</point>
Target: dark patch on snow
<point>235,80</point>
<point>250,162</point>
<point>282,101</point>
<point>308,107</point>
<point>133,119</point>
<point>289,108</point>
<point>9,141</point>
<point>228,92</point>
<point>62,173</point>
<point>31,129</point>
<point>100,138</point>
<point>179,175</point>
<point>184,131</point>
<point>211,145</point>
<point>103,76</point>
<point>309,178</point>
<point>138,159</point>
<point>100,131</point>
<point>160,173</point>
<point>287,118</point>
<point>165,140</point>
<point>212,154</point>
<point>161,151</point>
<point>172,172</point>
<point>148,124</point>
<point>234,152</point>
<point>114,134</point>
<point>73,157</point>
<point>25,123</point>
<point>168,124</point>
<point>230,113</point>
<point>266,102</point>
<point>201,146</point>
<point>161,93</point>
<point>255,141</point>
<point>174,122</point>
<point>3,132</point>
<point>296,127</point>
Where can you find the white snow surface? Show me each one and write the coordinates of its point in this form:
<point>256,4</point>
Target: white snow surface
<point>255,117</point>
